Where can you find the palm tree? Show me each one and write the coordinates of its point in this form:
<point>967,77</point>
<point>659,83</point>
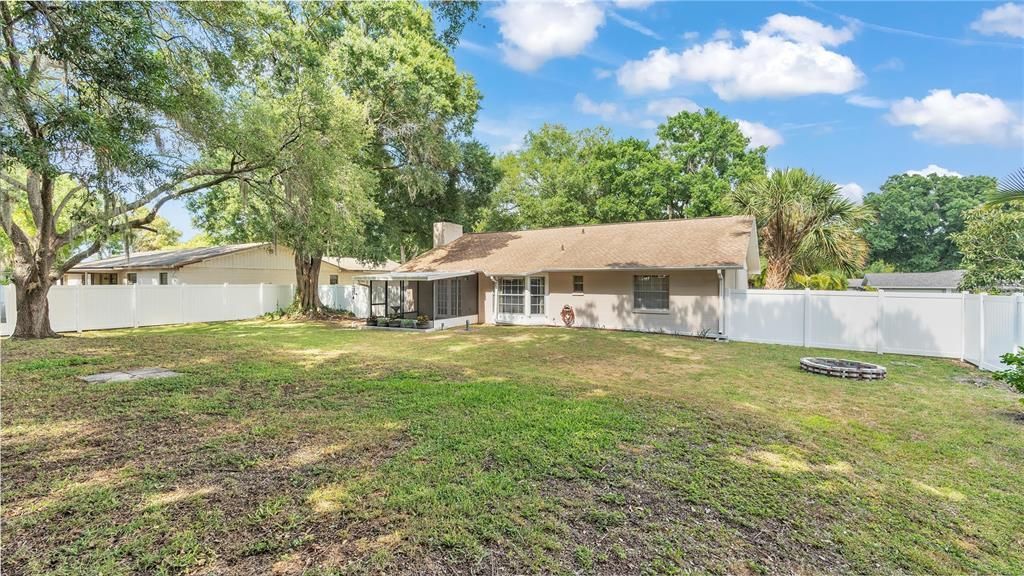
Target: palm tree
<point>1011,189</point>
<point>805,224</point>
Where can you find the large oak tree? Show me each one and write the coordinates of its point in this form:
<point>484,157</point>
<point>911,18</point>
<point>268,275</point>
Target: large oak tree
<point>124,101</point>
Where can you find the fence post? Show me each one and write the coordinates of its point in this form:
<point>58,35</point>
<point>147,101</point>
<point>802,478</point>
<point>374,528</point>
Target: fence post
<point>224,300</point>
<point>262,309</point>
<point>78,308</point>
<point>981,330</point>
<point>880,326</point>
<point>963,325</point>
<point>1018,321</point>
<point>807,317</point>
<point>135,305</point>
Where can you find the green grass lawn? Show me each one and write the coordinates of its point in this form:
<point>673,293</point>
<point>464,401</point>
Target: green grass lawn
<point>292,448</point>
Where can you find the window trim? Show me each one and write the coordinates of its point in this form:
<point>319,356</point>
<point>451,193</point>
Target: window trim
<point>163,278</point>
<point>668,294</point>
<point>131,278</point>
<point>332,279</point>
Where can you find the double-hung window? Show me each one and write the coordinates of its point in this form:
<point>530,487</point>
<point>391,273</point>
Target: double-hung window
<point>650,292</point>
<point>537,295</point>
<point>511,295</point>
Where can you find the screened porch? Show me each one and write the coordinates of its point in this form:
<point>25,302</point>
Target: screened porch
<point>435,295</point>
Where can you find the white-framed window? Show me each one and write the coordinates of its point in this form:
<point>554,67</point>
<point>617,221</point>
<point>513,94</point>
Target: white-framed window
<point>163,278</point>
<point>333,279</point>
<point>577,284</point>
<point>650,292</point>
<point>537,295</point>
<point>511,295</point>
<point>133,278</point>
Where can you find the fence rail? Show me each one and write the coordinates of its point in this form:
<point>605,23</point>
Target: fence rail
<point>77,308</point>
<point>976,328</point>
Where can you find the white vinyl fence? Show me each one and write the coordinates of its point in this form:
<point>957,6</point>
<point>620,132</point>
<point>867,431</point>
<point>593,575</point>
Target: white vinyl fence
<point>76,308</point>
<point>977,328</point>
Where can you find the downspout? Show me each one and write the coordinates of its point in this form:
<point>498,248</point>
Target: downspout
<point>721,304</point>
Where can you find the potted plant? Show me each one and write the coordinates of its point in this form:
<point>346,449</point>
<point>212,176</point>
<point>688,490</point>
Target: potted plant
<point>408,323</point>
<point>382,321</point>
<point>422,321</point>
<point>395,322</point>
<point>371,320</point>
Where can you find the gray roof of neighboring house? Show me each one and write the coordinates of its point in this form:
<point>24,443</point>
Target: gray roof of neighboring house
<point>166,259</point>
<point>357,265</point>
<point>942,279</point>
<point>855,283</point>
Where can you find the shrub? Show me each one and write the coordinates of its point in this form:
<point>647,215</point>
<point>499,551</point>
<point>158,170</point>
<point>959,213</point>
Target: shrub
<point>408,323</point>
<point>1014,376</point>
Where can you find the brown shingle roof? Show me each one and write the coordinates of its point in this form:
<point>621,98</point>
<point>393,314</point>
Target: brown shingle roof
<point>690,243</point>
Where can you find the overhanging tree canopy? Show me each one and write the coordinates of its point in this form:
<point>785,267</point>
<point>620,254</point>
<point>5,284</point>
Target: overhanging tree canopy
<point>125,100</point>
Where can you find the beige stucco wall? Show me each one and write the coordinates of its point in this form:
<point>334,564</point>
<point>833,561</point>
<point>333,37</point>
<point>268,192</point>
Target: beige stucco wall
<point>607,302</point>
<point>255,266</point>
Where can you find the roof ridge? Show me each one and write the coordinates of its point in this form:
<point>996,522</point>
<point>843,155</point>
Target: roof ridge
<point>699,218</point>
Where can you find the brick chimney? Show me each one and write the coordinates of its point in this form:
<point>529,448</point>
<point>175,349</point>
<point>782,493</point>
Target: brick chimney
<point>446,233</point>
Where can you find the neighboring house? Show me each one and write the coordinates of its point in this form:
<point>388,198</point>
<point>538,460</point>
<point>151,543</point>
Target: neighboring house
<point>232,264</point>
<point>659,276</point>
<point>945,281</point>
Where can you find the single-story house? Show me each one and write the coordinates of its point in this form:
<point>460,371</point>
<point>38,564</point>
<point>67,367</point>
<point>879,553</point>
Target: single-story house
<point>659,276</point>
<point>254,263</point>
<point>945,281</point>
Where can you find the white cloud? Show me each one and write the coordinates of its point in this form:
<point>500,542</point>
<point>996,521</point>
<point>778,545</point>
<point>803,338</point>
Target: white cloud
<point>607,111</point>
<point>634,25</point>
<point>633,4</point>
<point>787,57</point>
<point>691,36</point>
<point>965,118</point>
<point>721,34</point>
<point>934,169</point>
<point>602,73</point>
<point>648,117</point>
<point>892,64</point>
<point>805,30</point>
<point>671,106</point>
<point>866,101</point>
<point>499,135</point>
<point>759,134</point>
<point>853,191</point>
<point>1007,19</point>
<point>535,32</point>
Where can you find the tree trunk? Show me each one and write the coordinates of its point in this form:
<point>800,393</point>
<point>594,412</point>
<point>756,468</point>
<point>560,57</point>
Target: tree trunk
<point>307,276</point>
<point>777,273</point>
<point>31,287</point>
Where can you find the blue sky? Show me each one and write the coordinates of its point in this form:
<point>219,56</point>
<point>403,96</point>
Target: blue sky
<point>852,91</point>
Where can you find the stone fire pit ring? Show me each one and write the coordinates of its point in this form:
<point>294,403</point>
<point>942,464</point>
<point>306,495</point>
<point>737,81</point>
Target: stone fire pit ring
<point>838,368</point>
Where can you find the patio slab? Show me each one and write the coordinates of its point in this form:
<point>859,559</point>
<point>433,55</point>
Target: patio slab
<point>136,374</point>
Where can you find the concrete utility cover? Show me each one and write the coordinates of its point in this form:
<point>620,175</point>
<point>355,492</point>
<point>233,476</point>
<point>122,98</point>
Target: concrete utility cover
<point>137,374</point>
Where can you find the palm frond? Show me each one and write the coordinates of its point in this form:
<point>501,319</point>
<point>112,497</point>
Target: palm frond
<point>1011,189</point>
